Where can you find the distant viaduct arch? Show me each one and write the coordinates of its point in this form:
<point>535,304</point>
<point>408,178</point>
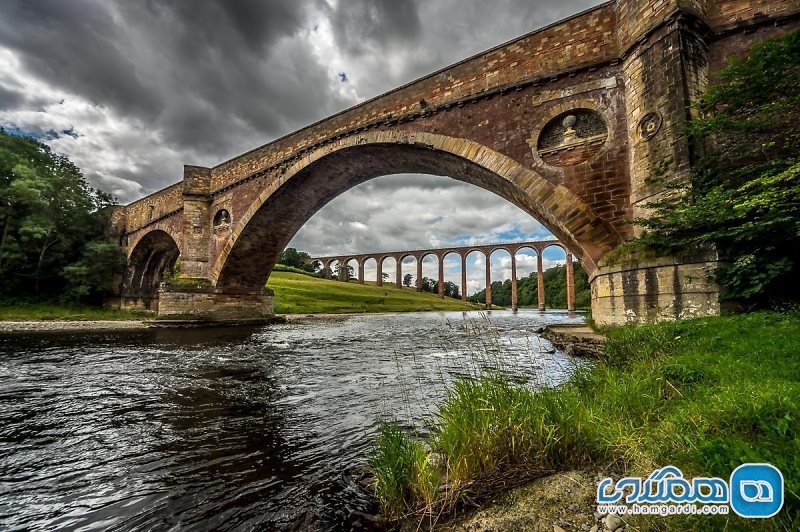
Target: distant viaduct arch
<point>571,123</point>
<point>462,251</point>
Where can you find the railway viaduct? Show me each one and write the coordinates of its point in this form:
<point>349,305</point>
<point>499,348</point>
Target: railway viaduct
<point>579,124</point>
<point>440,253</point>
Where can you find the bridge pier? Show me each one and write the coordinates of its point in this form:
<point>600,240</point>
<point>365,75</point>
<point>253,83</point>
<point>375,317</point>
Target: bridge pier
<point>539,281</point>
<point>441,277</point>
<point>399,273</point>
<point>463,277</point>
<point>570,284</point>
<point>513,281</point>
<point>641,290</point>
<point>206,303</point>
<point>488,281</point>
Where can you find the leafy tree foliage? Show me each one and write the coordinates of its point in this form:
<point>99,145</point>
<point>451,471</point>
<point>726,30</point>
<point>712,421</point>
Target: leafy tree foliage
<point>555,289</point>
<point>407,279</point>
<point>743,195</point>
<point>449,288</point>
<point>88,278</point>
<point>350,271</point>
<point>296,259</point>
<point>48,217</point>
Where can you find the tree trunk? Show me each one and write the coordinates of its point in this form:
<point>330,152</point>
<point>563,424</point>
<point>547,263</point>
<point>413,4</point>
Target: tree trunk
<point>47,244</point>
<point>3,240</point>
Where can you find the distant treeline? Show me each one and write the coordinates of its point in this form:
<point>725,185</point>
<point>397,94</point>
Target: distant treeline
<point>555,290</point>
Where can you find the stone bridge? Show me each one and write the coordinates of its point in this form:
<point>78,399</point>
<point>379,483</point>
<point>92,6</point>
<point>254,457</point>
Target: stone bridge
<point>440,253</point>
<point>576,123</point>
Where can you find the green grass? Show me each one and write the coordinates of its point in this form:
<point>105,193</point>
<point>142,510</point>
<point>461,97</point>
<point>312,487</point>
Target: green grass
<point>298,294</point>
<point>35,311</point>
<point>705,395</point>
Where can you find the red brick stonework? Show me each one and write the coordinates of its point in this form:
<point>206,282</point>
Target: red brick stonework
<point>627,72</point>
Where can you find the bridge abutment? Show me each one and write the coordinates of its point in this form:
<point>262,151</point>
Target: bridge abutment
<point>648,290</point>
<point>206,303</point>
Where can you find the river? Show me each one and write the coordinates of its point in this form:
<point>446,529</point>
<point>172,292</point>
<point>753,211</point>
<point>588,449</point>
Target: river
<point>233,429</point>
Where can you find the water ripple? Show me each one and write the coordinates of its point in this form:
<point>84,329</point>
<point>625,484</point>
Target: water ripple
<point>230,429</point>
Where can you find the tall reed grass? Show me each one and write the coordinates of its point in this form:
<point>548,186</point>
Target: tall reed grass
<point>705,395</point>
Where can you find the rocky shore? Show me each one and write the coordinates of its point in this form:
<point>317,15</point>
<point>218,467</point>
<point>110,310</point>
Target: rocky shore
<point>12,327</point>
<point>575,340</point>
<point>72,326</point>
<point>557,503</point>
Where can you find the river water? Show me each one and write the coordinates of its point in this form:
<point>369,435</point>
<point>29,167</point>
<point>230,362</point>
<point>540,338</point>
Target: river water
<point>233,429</point>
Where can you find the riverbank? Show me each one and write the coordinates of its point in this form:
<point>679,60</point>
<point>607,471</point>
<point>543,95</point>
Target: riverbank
<point>703,395</point>
<point>7,327</point>
<point>35,311</point>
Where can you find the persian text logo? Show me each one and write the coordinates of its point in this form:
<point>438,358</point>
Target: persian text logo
<point>754,490</point>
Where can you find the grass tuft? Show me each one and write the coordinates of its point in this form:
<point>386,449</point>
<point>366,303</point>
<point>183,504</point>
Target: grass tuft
<point>704,395</point>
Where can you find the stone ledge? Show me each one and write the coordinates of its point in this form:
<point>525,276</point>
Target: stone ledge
<point>575,340</point>
<point>196,324</point>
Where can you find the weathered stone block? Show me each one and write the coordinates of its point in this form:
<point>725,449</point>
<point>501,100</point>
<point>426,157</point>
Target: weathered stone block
<point>206,303</point>
<point>653,290</point>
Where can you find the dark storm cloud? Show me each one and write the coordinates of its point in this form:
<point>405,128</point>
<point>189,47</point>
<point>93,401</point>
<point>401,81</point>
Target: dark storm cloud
<point>151,85</point>
<point>209,74</point>
<point>361,26</point>
<point>76,45</point>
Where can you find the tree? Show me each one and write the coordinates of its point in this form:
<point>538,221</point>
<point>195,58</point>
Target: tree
<point>349,271</point>
<point>743,195</point>
<point>94,275</point>
<point>384,276</point>
<point>297,259</point>
<point>48,214</point>
<point>407,279</point>
<point>451,290</point>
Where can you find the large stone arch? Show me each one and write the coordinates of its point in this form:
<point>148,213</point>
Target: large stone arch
<point>290,200</point>
<point>152,254</point>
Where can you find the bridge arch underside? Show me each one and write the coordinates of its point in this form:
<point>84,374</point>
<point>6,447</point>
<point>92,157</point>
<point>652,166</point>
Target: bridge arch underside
<point>153,254</point>
<point>279,213</point>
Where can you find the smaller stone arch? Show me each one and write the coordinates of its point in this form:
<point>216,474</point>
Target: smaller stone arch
<point>556,244</point>
<point>442,260</point>
<point>152,256</point>
<point>379,273</point>
<point>326,267</point>
<point>420,260</point>
<point>401,260</point>
<point>344,268</point>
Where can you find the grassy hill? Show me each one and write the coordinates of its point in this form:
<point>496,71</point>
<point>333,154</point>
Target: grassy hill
<point>296,293</point>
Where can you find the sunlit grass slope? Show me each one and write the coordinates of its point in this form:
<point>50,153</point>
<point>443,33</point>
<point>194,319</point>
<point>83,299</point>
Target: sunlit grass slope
<point>297,294</point>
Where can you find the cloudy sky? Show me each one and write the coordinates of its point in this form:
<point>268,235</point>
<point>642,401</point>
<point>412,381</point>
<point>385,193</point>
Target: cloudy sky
<point>132,90</point>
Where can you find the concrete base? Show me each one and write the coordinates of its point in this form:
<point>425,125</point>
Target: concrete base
<point>206,304</point>
<point>653,290</point>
